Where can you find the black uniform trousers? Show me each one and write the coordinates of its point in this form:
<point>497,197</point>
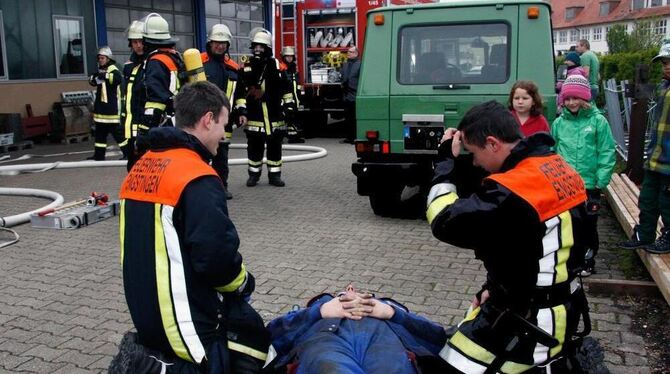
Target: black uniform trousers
<point>220,162</point>
<point>102,131</point>
<point>256,142</point>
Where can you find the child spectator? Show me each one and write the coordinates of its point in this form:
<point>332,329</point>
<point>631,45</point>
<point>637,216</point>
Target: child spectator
<point>573,61</point>
<point>654,198</point>
<point>584,138</point>
<point>525,103</point>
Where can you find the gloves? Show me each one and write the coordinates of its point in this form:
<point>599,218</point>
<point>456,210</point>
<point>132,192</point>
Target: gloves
<point>152,117</point>
<point>289,111</point>
<point>102,75</point>
<point>593,201</point>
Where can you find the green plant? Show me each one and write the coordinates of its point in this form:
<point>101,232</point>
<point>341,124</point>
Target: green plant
<point>621,66</point>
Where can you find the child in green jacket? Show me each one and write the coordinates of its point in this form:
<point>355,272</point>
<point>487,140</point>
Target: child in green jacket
<point>584,139</point>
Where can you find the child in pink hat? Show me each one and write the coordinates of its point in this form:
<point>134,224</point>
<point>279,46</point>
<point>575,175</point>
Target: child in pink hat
<point>584,139</point>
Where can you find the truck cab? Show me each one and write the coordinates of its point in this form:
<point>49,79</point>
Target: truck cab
<point>424,67</point>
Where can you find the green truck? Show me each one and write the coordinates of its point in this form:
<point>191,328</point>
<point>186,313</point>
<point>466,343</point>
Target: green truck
<point>423,67</point>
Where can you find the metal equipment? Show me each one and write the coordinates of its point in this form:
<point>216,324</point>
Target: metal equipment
<point>76,214</point>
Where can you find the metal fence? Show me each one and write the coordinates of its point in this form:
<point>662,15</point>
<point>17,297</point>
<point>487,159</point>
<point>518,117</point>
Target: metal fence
<point>618,108</point>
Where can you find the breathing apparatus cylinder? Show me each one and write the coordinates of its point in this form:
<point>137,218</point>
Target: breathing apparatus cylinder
<point>194,68</point>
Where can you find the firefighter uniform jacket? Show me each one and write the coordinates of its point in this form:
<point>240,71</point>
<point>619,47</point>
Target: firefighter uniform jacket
<point>108,94</point>
<point>524,223</point>
<point>134,96</point>
<point>292,76</point>
<point>162,81</point>
<point>179,249</point>
<point>267,92</point>
<point>224,73</point>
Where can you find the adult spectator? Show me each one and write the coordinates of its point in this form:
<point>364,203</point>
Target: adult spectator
<point>591,66</point>
<point>184,280</point>
<point>350,72</point>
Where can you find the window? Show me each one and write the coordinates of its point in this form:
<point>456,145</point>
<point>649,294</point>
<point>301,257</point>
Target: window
<point>654,3</point>
<point>562,37</point>
<point>3,48</point>
<point>660,26</point>
<point>241,16</point>
<point>573,36</point>
<point>445,54</point>
<point>570,13</point>
<point>70,46</point>
<point>597,34</point>
<point>605,8</point>
<point>585,34</point>
<point>638,4</point>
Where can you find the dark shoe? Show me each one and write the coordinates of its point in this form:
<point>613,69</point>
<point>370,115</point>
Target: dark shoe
<point>229,196</point>
<point>253,180</point>
<point>276,181</point>
<point>662,244</point>
<point>635,242</point>
<point>347,141</point>
<point>295,140</point>
<point>587,271</point>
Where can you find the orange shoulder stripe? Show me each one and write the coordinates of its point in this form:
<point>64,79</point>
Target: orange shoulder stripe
<point>166,60</point>
<point>231,63</point>
<point>548,183</point>
<point>160,177</point>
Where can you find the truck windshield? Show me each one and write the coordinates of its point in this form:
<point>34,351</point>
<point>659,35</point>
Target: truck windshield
<point>454,53</point>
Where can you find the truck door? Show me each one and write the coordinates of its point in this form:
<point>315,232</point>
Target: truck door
<point>445,60</point>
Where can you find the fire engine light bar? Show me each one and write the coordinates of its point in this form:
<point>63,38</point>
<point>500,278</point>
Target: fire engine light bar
<point>533,12</point>
<point>379,19</point>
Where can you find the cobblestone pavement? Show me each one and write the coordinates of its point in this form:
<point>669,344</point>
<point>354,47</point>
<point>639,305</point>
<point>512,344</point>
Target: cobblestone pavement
<point>62,308</point>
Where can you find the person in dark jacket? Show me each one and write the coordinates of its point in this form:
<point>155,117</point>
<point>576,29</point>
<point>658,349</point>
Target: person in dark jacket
<point>350,72</point>
<point>221,70</point>
<point>132,104</point>
<point>108,81</point>
<point>290,69</point>
<point>356,333</point>
<point>528,216</point>
<point>269,100</point>
<point>184,280</point>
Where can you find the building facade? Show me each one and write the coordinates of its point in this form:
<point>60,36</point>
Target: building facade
<point>573,20</point>
<point>49,46</point>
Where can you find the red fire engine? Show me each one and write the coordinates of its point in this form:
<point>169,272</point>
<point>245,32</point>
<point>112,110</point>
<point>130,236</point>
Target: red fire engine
<point>321,31</point>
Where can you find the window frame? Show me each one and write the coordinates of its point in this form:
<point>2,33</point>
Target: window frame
<point>597,34</point>
<point>573,36</point>
<point>562,36</point>
<point>58,53</point>
<point>4,75</point>
<point>660,27</point>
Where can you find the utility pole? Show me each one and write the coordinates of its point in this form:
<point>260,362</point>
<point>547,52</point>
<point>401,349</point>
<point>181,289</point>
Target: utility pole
<point>640,92</point>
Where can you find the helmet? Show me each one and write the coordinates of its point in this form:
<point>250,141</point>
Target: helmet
<point>106,51</point>
<point>156,30</point>
<point>219,33</point>
<point>664,52</point>
<point>135,30</point>
<point>263,37</point>
<point>288,51</point>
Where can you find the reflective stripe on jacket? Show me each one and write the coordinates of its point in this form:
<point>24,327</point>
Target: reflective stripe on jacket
<point>108,96</point>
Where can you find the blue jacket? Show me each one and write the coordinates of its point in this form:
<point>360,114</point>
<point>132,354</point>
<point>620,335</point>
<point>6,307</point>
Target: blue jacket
<point>293,332</point>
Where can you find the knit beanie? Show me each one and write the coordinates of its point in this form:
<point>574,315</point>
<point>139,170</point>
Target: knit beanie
<point>574,57</point>
<point>576,86</point>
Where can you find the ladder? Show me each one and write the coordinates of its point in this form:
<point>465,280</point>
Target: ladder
<point>287,9</point>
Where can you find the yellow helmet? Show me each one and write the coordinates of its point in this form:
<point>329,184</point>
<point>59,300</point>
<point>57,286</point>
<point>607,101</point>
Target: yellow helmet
<point>263,37</point>
<point>135,30</point>
<point>105,51</point>
<point>156,30</point>
<point>219,33</point>
<point>288,51</point>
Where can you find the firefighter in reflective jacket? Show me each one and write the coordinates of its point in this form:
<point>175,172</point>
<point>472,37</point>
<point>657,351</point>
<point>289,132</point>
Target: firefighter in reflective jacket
<point>163,74</point>
<point>108,80</point>
<point>524,222</point>
<point>184,280</point>
<point>268,99</point>
<point>290,69</point>
<point>224,72</point>
<point>132,105</point>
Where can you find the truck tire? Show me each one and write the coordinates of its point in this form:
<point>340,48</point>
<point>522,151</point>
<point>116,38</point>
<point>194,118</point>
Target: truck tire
<point>387,202</point>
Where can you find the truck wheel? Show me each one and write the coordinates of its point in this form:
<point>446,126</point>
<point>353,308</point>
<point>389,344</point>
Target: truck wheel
<point>387,202</point>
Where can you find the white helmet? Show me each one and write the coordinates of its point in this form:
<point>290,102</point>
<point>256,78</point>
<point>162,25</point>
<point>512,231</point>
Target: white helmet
<point>135,30</point>
<point>219,33</point>
<point>156,30</point>
<point>263,37</point>
<point>288,51</point>
<point>105,51</point>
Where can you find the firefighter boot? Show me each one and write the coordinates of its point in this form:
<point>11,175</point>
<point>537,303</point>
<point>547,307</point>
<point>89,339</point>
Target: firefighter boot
<point>275,179</point>
<point>662,244</point>
<point>253,179</point>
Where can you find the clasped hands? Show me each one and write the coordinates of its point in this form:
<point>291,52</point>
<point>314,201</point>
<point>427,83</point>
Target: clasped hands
<point>456,140</point>
<point>356,306</point>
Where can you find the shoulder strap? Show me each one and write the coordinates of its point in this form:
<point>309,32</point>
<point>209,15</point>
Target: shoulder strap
<point>231,63</point>
<point>204,56</point>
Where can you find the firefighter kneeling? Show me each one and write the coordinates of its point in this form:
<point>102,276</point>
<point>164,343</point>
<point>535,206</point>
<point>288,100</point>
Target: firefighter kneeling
<point>269,99</point>
<point>524,221</point>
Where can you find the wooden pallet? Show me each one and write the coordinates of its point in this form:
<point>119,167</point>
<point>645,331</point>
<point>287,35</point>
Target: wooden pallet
<point>79,138</point>
<point>26,144</point>
<point>622,195</point>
